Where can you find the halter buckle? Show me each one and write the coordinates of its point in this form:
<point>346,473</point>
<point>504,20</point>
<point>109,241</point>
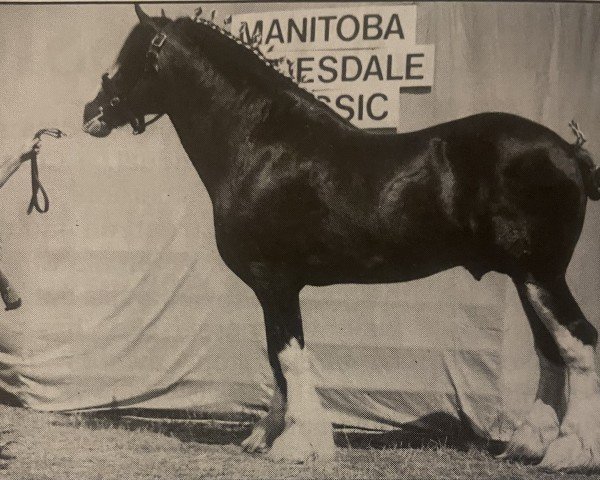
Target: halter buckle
<point>158,40</point>
<point>154,49</point>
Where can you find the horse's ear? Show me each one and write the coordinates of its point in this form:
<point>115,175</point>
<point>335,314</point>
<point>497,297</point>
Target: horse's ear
<point>162,13</point>
<point>142,16</point>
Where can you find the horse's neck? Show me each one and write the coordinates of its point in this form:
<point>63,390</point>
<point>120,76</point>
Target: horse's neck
<point>211,120</point>
<point>214,115</point>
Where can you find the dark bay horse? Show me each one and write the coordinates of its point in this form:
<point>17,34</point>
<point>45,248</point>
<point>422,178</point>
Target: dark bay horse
<point>301,197</point>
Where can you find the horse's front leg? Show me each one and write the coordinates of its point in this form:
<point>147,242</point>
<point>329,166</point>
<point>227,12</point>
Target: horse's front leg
<point>306,432</point>
<point>268,428</point>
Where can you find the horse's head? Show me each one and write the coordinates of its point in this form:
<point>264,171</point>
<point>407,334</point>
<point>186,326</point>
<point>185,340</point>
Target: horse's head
<point>131,89</point>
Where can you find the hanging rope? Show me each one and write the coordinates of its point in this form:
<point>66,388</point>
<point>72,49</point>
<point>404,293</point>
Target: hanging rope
<point>36,185</point>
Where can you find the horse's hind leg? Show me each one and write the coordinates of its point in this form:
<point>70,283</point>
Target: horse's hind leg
<point>578,444</point>
<point>303,432</point>
<point>541,426</point>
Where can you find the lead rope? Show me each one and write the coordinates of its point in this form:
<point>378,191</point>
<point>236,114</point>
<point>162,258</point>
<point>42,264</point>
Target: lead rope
<point>36,185</point>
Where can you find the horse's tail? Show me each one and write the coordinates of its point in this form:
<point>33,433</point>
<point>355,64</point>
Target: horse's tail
<point>589,171</point>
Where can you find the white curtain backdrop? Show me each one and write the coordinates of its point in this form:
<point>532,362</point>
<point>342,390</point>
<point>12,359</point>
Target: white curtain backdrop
<point>127,303</point>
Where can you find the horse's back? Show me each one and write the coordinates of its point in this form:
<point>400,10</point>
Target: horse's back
<point>483,191</point>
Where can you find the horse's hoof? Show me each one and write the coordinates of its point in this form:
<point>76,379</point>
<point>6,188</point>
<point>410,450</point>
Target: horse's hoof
<point>578,446</point>
<point>531,439</point>
<point>264,433</point>
<point>300,443</point>
<point>571,453</point>
<point>256,441</point>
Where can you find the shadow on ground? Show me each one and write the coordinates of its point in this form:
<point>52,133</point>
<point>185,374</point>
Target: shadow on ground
<point>233,428</point>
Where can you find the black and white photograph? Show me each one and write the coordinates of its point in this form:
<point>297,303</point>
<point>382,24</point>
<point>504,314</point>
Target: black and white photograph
<point>299,240</point>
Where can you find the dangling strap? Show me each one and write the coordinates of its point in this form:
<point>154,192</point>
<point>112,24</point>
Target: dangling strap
<point>36,185</point>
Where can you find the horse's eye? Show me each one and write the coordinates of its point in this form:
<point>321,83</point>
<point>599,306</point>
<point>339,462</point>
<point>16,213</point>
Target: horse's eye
<point>115,101</point>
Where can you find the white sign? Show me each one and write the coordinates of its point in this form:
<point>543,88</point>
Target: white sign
<point>406,66</point>
<point>354,59</point>
<point>376,108</point>
<point>330,28</point>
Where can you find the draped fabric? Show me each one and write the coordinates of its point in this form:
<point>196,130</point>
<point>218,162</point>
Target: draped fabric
<point>127,303</point>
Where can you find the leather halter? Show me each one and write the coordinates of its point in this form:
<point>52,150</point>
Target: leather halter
<point>154,50</point>
<point>119,102</point>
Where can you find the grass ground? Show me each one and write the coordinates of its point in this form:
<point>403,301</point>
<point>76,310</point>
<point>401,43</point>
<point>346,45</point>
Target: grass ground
<point>50,446</point>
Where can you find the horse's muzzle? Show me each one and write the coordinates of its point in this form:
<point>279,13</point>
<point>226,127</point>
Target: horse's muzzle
<point>96,126</point>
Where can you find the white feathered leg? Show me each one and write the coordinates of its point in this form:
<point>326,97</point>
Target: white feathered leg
<point>578,444</point>
<point>308,433</point>
<point>268,428</point>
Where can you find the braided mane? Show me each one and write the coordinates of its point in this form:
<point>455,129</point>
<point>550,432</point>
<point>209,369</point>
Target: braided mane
<point>252,47</point>
<point>240,60</point>
<point>273,65</point>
